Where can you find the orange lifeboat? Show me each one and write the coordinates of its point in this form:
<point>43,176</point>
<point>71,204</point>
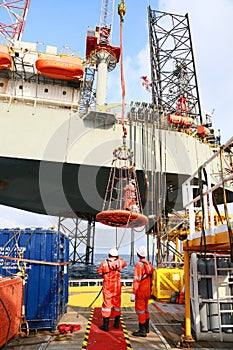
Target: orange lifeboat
<point>5,58</point>
<point>203,131</point>
<point>66,68</point>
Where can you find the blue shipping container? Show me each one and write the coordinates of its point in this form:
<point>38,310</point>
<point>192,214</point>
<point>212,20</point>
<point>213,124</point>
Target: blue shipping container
<point>46,288</point>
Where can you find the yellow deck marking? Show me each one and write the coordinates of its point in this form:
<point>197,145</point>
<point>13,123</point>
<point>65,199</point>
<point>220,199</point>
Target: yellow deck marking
<point>85,339</point>
<point>83,296</point>
<point>88,329</point>
<point>127,341</point>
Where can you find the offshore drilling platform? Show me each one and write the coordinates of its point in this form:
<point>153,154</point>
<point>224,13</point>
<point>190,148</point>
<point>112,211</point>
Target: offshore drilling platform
<point>52,101</point>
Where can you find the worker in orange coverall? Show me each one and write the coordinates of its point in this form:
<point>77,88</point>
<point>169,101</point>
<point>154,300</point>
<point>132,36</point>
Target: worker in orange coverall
<point>110,269</point>
<point>142,281</point>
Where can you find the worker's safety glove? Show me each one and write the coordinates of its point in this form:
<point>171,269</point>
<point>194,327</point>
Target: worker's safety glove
<point>132,298</point>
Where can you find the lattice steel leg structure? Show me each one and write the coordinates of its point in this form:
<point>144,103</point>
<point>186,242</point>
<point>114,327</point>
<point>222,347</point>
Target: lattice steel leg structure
<point>81,234</point>
<point>87,94</point>
<point>173,70</point>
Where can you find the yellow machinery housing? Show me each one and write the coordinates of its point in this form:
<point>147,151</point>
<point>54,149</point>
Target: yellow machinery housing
<point>166,281</point>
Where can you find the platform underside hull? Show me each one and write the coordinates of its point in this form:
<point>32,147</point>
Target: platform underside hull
<point>63,189</point>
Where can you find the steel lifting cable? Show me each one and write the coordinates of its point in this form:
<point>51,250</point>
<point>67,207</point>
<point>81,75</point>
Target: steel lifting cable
<point>123,235</point>
<point>121,12</point>
<point>230,232</point>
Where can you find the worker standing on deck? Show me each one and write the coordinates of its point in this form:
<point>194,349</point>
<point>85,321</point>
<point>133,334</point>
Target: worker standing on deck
<point>142,281</point>
<point>110,269</point>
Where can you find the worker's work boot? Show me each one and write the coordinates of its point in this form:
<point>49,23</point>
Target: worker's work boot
<point>147,325</point>
<point>104,327</point>
<point>142,330</point>
<point>117,322</point>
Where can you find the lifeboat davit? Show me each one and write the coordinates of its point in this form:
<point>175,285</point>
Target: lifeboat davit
<point>203,131</point>
<point>66,68</point>
<point>5,60</point>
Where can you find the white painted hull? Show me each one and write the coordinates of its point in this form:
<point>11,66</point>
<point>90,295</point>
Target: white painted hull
<point>55,161</point>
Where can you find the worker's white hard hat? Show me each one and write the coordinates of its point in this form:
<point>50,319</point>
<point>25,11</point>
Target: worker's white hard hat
<point>113,252</point>
<point>141,251</point>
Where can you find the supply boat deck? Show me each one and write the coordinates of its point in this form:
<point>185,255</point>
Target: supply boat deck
<point>166,327</point>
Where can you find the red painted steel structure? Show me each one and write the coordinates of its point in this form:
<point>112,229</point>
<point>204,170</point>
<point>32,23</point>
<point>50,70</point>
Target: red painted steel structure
<point>16,11</point>
<point>99,41</point>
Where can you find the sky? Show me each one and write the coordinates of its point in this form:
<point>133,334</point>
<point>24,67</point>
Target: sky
<point>64,24</point>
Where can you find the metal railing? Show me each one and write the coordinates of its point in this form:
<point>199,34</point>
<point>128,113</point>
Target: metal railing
<point>95,282</point>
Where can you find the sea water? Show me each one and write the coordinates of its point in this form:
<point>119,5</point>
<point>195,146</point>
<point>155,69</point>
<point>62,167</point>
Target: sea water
<point>83,271</point>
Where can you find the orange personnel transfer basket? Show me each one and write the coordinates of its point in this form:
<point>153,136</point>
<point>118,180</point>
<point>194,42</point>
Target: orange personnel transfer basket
<point>122,218</point>
<point>122,205</point>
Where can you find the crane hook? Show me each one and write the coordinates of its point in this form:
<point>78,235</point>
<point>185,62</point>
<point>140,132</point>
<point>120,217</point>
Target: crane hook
<point>122,10</point>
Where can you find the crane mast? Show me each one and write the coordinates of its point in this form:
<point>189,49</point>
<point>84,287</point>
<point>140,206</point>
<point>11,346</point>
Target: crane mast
<point>100,55</point>
<point>106,22</point>
<point>12,28</point>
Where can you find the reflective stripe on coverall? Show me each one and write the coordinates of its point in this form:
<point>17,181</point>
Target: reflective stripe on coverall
<point>110,271</point>
<point>142,289</point>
